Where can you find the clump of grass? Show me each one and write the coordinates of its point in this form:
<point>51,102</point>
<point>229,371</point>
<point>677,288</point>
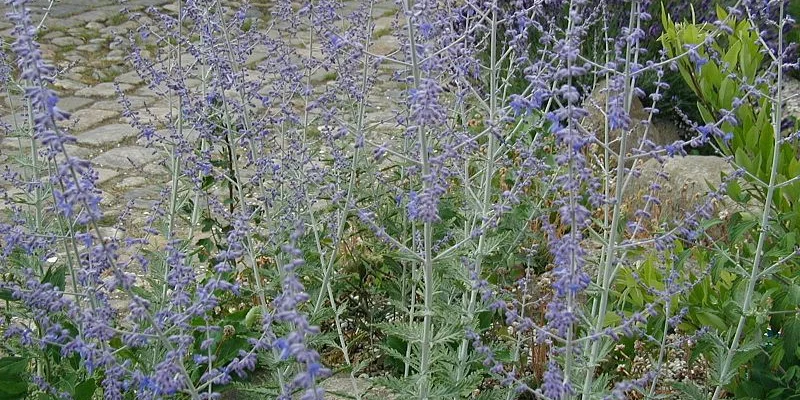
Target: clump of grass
<point>381,33</point>
<point>117,19</point>
<point>329,77</point>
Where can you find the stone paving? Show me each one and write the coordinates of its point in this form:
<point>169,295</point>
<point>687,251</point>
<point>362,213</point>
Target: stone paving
<point>79,38</point>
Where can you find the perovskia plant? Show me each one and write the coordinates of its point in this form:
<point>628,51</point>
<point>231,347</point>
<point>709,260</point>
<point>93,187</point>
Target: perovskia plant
<point>279,187</point>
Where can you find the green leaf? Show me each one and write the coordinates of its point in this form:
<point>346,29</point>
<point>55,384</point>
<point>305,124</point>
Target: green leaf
<point>735,190</point>
<point>721,13</point>
<point>766,136</point>
<point>690,390</point>
<point>791,338</point>
<point>751,136</point>
<point>732,55</point>
<point>746,63</point>
<point>85,390</point>
<point>56,276</point>
<point>710,81</point>
<point>704,112</point>
<point>737,231</point>
<point>13,384</point>
<point>706,318</point>
<point>229,349</point>
<point>727,90</point>
<point>669,26</point>
<point>252,316</point>
<point>776,355</point>
<point>7,295</point>
<point>13,366</point>
<point>742,159</point>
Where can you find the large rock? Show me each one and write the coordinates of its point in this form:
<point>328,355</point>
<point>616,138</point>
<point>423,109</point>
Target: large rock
<point>791,88</point>
<point>685,183</point>
<point>659,133</point>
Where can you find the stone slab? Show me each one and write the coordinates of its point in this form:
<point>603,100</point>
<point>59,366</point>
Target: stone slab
<point>127,157</point>
<point>69,84</point>
<point>86,118</point>
<point>72,104</point>
<point>131,78</point>
<point>107,135</point>
<point>103,90</point>
<point>136,103</point>
<point>143,198</point>
<point>66,41</point>
<point>104,175</point>
<point>132,181</point>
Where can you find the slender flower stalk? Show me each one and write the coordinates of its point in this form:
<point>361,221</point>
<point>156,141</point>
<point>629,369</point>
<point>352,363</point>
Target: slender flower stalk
<point>488,175</point>
<point>756,267</point>
<point>610,250</point>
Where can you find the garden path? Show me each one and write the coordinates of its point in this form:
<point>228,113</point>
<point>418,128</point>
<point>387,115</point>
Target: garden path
<point>79,39</point>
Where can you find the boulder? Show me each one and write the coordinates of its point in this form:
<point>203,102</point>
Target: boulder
<point>685,183</point>
<point>657,132</point>
<point>791,87</point>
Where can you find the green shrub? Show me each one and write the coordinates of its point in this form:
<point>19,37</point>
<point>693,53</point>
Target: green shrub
<point>729,74</point>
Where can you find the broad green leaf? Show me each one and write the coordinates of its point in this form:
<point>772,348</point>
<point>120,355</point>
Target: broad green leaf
<point>776,355</point>
<point>711,78</point>
<point>13,384</point>
<point>734,190</point>
<point>751,137</point>
<point>55,276</point>
<point>707,87</point>
<point>253,316</point>
<point>766,143</point>
<point>85,390</point>
<point>707,318</point>
<point>721,13</point>
<point>745,62</point>
<point>13,366</point>
<point>708,117</point>
<point>6,295</point>
<point>791,338</point>
<point>731,56</point>
<point>726,92</point>
<point>741,228</point>
<point>742,159</point>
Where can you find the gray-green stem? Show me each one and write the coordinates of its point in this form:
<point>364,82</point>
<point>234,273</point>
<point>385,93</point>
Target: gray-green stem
<point>487,191</point>
<point>427,233</point>
<point>764,228</point>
